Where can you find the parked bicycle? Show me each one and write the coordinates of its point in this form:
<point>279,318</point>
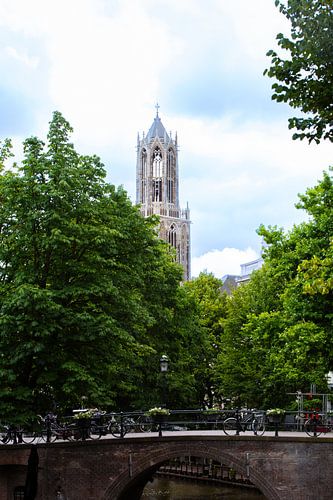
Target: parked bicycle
<point>245,420</point>
<point>317,424</point>
<point>121,424</point>
<point>14,434</point>
<point>89,424</point>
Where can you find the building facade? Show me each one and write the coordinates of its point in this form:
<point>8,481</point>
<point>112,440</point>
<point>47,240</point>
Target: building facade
<point>157,189</point>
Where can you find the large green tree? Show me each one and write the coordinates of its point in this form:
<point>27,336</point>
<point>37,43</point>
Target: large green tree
<point>278,331</point>
<point>210,305</point>
<point>88,293</point>
<point>304,71</point>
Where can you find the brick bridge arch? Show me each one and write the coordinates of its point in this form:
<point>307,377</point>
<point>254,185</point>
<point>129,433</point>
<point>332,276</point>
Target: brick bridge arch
<point>283,468</point>
<point>145,466</point>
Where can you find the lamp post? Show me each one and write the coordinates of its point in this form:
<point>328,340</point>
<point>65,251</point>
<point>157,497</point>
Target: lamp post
<point>164,365</point>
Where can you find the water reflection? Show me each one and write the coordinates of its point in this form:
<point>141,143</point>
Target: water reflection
<point>182,490</point>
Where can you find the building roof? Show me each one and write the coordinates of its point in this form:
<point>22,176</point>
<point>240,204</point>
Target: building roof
<point>157,130</point>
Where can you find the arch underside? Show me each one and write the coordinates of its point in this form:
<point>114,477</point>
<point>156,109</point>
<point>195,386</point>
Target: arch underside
<point>144,466</point>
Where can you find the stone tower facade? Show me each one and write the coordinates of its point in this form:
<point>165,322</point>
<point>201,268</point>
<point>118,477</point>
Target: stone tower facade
<point>157,189</point>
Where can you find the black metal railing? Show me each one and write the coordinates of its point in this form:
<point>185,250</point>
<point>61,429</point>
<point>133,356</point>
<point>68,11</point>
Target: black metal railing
<point>119,424</point>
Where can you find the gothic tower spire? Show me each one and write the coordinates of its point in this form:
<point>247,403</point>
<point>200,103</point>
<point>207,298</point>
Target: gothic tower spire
<point>157,189</point>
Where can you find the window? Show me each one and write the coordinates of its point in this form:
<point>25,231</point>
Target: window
<point>19,493</point>
<point>170,175</point>
<point>143,163</point>
<point>157,163</point>
<point>157,190</point>
<point>172,236</point>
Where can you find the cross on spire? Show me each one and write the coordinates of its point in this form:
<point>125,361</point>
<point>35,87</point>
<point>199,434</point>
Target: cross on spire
<point>157,106</point>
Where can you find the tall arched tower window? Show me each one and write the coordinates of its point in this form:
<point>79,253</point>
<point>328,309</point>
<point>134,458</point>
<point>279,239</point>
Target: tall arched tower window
<point>172,236</point>
<point>157,172</point>
<point>171,171</point>
<point>143,174</point>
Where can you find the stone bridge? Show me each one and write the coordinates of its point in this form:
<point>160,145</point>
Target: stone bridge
<point>284,467</point>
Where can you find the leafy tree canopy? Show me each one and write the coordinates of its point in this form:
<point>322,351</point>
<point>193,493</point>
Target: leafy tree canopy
<point>305,76</point>
<point>88,293</point>
<point>277,333</point>
<point>211,306</point>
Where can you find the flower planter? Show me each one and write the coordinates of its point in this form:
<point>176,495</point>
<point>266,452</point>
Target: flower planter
<point>275,419</point>
<point>83,425</point>
<point>159,419</point>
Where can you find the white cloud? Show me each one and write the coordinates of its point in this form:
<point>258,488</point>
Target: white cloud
<point>104,63</point>
<point>30,61</point>
<point>222,262</point>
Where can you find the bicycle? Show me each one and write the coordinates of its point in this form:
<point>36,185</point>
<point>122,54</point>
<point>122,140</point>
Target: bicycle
<point>14,434</point>
<point>92,427</point>
<point>145,423</point>
<point>243,421</point>
<point>317,424</point>
<point>121,424</point>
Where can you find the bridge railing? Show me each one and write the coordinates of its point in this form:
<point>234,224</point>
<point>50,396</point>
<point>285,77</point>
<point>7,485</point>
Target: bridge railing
<point>119,424</point>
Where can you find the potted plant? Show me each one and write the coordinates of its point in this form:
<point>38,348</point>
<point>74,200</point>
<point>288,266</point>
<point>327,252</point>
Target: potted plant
<point>84,415</point>
<point>83,420</point>
<point>158,414</point>
<point>275,414</point>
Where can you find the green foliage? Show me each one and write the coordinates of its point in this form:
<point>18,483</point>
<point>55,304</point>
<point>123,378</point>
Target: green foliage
<point>305,76</point>
<point>210,305</point>
<point>89,296</point>
<point>277,333</point>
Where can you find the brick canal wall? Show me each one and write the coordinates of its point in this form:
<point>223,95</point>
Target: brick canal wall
<point>110,469</point>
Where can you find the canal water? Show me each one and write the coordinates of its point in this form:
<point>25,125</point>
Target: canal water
<point>165,489</point>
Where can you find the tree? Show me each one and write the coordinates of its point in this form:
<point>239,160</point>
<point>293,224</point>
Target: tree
<point>88,292</point>
<point>305,76</point>
<point>243,369</point>
<point>278,328</point>
<point>211,303</point>
<point>302,258</point>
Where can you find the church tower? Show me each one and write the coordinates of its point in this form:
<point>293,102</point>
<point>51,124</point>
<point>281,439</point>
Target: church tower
<point>157,189</point>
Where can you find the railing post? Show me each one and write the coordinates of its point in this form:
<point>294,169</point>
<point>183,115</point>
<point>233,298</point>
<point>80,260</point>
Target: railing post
<point>48,430</point>
<point>121,425</point>
<point>237,422</point>
<point>315,424</point>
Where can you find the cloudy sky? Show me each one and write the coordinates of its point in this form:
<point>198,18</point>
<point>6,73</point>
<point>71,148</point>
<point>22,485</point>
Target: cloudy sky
<point>105,63</point>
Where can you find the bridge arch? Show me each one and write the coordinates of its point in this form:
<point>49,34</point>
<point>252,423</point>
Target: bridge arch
<point>143,467</point>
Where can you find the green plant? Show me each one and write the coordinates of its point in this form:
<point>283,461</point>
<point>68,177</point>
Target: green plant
<point>276,411</point>
<point>157,411</point>
<point>311,404</point>
<point>84,415</point>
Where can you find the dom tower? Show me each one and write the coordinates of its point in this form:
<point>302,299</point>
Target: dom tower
<point>157,189</point>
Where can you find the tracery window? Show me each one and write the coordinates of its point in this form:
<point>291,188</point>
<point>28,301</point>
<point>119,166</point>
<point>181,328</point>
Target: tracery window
<point>143,173</point>
<point>170,168</point>
<point>157,175</point>
<point>19,493</point>
<point>172,236</point>
<point>157,189</point>
<point>157,163</point>
<point>143,163</point>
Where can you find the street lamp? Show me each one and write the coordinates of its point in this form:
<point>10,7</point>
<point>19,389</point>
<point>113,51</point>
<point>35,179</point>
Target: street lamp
<point>164,365</point>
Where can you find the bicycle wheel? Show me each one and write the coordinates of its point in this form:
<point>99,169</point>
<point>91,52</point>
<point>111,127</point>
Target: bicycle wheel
<point>258,426</point>
<point>96,432</point>
<point>310,428</point>
<point>230,426</point>
<point>28,437</point>
<point>145,424</point>
<point>119,429</point>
